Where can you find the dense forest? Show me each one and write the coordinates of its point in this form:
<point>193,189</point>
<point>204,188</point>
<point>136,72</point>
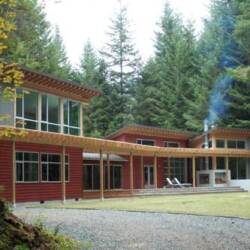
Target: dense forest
<point>190,78</point>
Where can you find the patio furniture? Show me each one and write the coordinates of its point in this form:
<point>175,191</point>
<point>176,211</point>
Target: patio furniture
<point>171,184</point>
<point>182,184</point>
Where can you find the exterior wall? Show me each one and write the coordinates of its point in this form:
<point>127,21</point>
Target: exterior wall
<point>6,169</point>
<point>40,191</point>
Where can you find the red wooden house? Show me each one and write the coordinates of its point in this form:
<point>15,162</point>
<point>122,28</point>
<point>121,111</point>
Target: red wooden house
<point>55,161</point>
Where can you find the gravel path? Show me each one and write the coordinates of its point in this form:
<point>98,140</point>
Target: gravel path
<point>132,230</point>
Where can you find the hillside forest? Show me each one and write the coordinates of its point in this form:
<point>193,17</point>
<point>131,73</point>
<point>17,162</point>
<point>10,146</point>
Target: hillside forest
<point>189,78</point>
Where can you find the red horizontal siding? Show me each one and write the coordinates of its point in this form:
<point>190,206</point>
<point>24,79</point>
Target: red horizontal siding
<point>6,169</point>
<point>52,191</point>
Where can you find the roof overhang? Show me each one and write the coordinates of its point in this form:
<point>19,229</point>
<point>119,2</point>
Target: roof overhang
<point>135,129</point>
<point>49,84</point>
<point>96,157</point>
<point>94,145</point>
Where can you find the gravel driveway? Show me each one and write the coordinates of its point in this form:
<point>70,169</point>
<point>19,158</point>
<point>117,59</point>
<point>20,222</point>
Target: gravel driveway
<point>132,230</point>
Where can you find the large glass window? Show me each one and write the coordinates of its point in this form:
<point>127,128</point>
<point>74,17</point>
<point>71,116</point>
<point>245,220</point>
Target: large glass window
<point>238,168</point>
<point>50,113</point>
<point>220,143</point>
<point>27,110</point>
<point>91,177</point>
<point>51,167</point>
<point>71,117</point>
<point>236,144</point>
<point>177,169</point>
<point>220,162</point>
<point>26,167</point>
<point>115,177</point>
<point>145,142</point>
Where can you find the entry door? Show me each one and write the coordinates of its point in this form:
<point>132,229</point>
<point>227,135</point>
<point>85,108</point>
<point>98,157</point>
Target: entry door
<point>148,176</point>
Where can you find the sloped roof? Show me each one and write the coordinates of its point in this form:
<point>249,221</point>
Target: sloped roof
<point>152,131</point>
<point>53,85</point>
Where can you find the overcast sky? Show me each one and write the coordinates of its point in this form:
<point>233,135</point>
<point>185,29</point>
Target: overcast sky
<point>79,20</point>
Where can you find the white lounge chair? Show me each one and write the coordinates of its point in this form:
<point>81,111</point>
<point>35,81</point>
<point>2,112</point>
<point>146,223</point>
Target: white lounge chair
<point>182,184</point>
<point>171,184</point>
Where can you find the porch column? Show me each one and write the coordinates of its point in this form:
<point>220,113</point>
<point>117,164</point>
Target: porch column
<point>169,167</point>
<point>101,176</point>
<point>63,174</point>
<point>155,171</point>
<point>131,171</point>
<point>142,173</point>
<point>81,119</point>
<point>227,169</point>
<point>214,163</point>
<point>108,169</point>
<point>193,171</point>
<point>14,173</point>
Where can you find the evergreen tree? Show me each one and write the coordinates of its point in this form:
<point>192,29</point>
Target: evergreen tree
<point>32,44</point>
<point>93,72</point>
<point>123,67</point>
<point>89,63</point>
<point>176,56</point>
<point>219,51</point>
<point>148,105</point>
<point>239,93</point>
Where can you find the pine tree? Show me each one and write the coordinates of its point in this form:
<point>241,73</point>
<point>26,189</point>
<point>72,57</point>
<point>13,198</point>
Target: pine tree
<point>33,44</point>
<point>239,93</point>
<point>123,67</point>
<point>148,105</point>
<point>219,51</point>
<point>89,63</point>
<point>176,56</point>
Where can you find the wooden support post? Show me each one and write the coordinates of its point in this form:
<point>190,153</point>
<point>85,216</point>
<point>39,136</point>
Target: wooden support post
<point>61,115</point>
<point>155,171</point>
<point>131,171</point>
<point>101,176</point>
<point>169,167</point>
<point>142,173</point>
<point>14,174</point>
<point>214,163</point>
<point>227,170</point>
<point>193,171</point>
<point>63,175</point>
<point>81,119</point>
<point>108,170</point>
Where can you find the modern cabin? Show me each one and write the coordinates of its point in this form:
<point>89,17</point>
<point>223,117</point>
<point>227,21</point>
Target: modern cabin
<point>55,161</point>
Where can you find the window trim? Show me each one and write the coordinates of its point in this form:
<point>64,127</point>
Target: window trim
<point>233,139</point>
<point>68,114</point>
<point>166,143</point>
<point>21,118</point>
<point>152,140</point>
<point>41,162</point>
<point>38,167</point>
<point>47,113</point>
<point>105,167</point>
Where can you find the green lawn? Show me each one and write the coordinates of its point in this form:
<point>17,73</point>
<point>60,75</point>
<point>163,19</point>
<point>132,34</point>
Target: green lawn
<point>230,204</point>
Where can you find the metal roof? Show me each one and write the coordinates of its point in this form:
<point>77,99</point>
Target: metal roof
<point>96,157</point>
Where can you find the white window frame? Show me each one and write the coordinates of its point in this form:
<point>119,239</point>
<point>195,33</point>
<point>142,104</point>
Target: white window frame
<point>43,162</point>
<point>22,119</point>
<point>47,113</point>
<point>167,142</point>
<point>151,140</point>
<point>68,114</point>
<point>22,162</point>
